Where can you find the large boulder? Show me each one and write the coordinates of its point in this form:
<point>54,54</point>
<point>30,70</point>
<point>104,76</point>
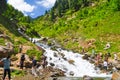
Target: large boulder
<point>116,76</point>
<point>48,72</point>
<point>3,53</point>
<point>57,72</point>
<point>5,37</point>
<point>53,72</point>
<point>118,67</point>
<point>86,77</point>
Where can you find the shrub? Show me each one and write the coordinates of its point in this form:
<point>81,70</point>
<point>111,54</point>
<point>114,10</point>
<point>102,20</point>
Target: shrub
<point>35,53</point>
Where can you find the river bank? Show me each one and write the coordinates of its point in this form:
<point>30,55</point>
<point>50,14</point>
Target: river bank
<point>59,56</point>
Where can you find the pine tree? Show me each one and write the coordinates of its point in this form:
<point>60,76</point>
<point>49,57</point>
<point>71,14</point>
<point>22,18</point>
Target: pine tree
<point>59,11</point>
<point>52,15</point>
<point>2,6</point>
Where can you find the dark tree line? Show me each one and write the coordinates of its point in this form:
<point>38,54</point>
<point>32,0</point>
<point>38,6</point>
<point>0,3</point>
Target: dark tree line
<point>12,14</point>
<point>15,16</point>
<point>61,6</point>
<point>3,4</point>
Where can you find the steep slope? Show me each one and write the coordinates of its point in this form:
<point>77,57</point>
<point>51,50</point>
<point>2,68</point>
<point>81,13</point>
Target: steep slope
<point>97,19</point>
<point>10,20</point>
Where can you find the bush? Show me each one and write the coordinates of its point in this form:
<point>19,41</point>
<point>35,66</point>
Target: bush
<point>36,53</point>
<point>18,73</point>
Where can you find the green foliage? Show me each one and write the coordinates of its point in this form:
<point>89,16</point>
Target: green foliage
<point>2,6</point>
<point>59,11</point>
<point>16,50</point>
<point>35,53</point>
<point>2,41</point>
<point>115,4</point>
<point>52,15</point>
<point>18,73</point>
<point>84,19</point>
<point>16,16</point>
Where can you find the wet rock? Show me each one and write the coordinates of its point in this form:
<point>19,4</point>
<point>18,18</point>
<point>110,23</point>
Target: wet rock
<point>65,58</point>
<point>118,67</point>
<point>49,44</point>
<point>86,77</point>
<point>54,72</point>
<point>52,64</point>
<point>86,56</point>
<point>50,58</point>
<point>51,72</point>
<point>54,48</point>
<point>40,48</point>
<point>55,55</point>
<point>71,61</point>
<point>65,69</point>
<point>55,79</point>
<point>71,73</point>
<point>91,60</point>
<point>61,54</point>
<point>44,39</point>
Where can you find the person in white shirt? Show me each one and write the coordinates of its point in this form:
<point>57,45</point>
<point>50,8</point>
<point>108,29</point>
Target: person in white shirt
<point>105,65</point>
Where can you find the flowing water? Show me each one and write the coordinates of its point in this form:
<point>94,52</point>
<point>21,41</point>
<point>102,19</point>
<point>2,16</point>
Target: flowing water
<point>74,70</point>
<point>77,68</point>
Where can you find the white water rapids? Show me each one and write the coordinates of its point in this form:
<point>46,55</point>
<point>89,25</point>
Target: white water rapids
<point>79,67</point>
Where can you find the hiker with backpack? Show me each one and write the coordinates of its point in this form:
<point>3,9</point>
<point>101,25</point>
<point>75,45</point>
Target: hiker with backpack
<point>22,59</point>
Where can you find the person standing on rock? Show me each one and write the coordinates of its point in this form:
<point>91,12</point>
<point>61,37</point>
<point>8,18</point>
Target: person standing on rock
<point>34,66</point>
<point>22,59</point>
<point>20,48</point>
<point>105,65</point>
<point>6,62</point>
<point>44,62</point>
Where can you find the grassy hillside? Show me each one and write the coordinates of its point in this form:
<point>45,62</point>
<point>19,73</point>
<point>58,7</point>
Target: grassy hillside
<point>99,21</point>
<point>8,28</point>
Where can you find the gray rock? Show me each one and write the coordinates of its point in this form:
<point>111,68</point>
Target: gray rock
<point>86,77</point>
